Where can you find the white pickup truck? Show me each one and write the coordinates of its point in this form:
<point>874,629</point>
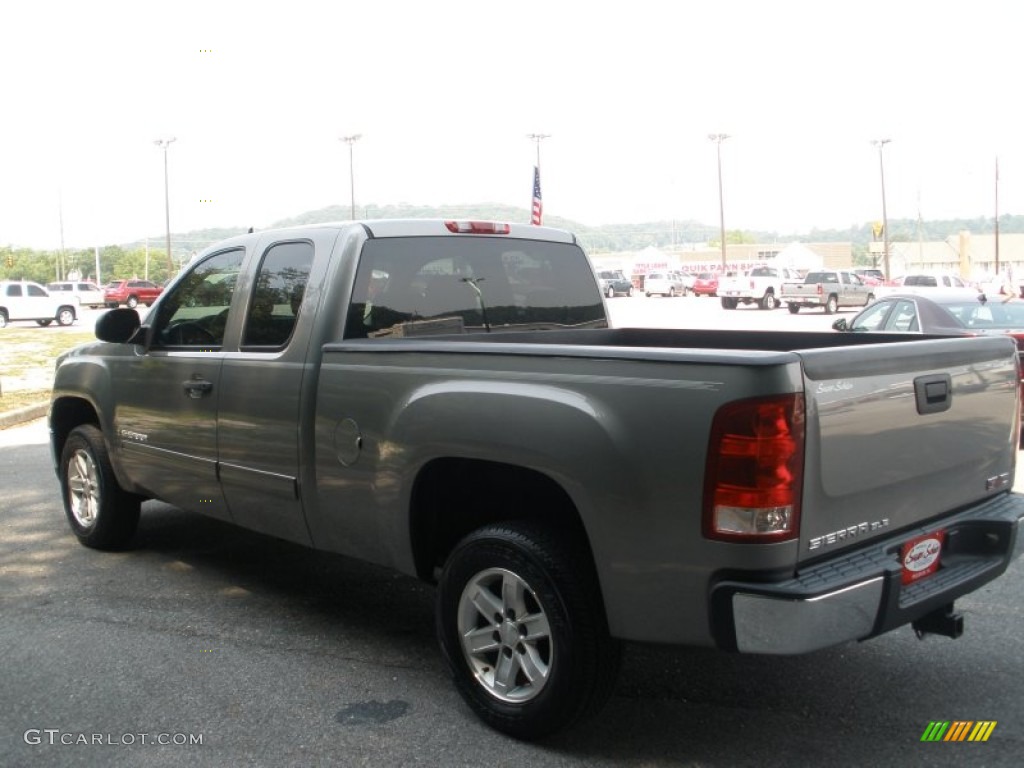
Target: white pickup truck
<point>761,286</point>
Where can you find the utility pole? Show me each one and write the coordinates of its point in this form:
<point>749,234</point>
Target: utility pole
<point>350,140</point>
<point>718,138</point>
<point>164,144</point>
<point>997,216</point>
<point>538,138</point>
<point>880,143</point>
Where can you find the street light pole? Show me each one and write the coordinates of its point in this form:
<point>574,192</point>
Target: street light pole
<point>538,138</point>
<point>718,138</point>
<point>350,140</point>
<point>880,143</point>
<point>164,144</point>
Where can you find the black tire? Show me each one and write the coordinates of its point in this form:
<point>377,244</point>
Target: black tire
<point>610,293</point>
<point>3,319</point>
<point>671,293</point>
<point>831,305</point>
<point>132,302</point>
<point>101,514</point>
<point>44,323</point>
<point>871,299</point>
<point>793,308</point>
<point>768,301</point>
<point>629,292</point>
<point>65,316</point>
<point>728,303</point>
<point>553,677</point>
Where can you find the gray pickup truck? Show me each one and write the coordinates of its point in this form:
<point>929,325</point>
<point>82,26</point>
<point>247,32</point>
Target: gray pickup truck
<point>445,398</point>
<point>828,289</point>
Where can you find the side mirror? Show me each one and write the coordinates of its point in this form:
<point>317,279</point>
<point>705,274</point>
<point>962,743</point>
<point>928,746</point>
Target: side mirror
<point>118,326</point>
<point>840,325</point>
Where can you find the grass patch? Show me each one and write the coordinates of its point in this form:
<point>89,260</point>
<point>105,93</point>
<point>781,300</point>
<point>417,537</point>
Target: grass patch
<point>27,358</point>
<point>12,401</point>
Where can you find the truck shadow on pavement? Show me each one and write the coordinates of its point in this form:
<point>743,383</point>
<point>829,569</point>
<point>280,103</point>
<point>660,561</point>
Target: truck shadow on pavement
<point>672,706</point>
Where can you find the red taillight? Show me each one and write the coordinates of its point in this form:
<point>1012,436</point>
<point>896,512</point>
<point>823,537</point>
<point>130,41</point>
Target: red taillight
<point>478,227</point>
<point>821,289</point>
<point>754,474</point>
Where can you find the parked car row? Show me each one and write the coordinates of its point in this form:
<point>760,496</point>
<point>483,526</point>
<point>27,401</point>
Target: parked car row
<point>62,300</point>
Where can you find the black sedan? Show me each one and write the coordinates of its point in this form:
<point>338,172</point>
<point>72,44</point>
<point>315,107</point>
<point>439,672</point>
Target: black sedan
<point>944,313</point>
<point>959,313</point>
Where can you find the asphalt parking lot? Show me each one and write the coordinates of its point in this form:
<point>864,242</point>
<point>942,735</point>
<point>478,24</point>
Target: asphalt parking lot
<point>208,645</point>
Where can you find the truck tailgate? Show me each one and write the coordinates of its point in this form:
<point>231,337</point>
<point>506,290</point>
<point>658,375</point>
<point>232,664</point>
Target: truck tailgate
<point>904,433</point>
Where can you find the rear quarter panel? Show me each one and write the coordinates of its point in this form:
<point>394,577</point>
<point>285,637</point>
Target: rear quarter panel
<point>626,439</point>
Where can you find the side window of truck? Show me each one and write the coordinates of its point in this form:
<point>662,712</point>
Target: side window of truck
<point>277,295</point>
<point>194,312</point>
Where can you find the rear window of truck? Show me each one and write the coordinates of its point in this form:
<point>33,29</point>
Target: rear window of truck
<point>439,285</point>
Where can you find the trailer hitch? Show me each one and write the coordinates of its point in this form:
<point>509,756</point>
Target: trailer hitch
<point>942,621</point>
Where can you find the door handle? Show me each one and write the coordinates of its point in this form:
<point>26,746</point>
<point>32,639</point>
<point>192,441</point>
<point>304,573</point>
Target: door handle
<point>934,394</point>
<point>197,387</point>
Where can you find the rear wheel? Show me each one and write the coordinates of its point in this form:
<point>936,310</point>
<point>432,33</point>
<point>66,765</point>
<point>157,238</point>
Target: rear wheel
<point>831,305</point>
<point>728,303</point>
<point>65,316</point>
<point>610,293</point>
<point>133,302</point>
<point>523,630</point>
<point>44,322</point>
<point>793,308</point>
<point>101,514</point>
<point>3,319</point>
<point>768,301</point>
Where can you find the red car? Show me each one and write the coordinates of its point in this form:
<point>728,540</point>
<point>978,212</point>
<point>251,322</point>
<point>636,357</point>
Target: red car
<point>705,284</point>
<point>131,293</point>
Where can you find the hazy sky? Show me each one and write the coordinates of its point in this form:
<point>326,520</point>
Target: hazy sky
<point>444,93</point>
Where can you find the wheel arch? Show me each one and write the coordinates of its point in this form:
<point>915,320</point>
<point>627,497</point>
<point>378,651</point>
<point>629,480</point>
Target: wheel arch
<point>446,505</point>
<point>66,413</point>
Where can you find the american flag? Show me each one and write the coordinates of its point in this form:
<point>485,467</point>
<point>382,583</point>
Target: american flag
<point>538,205</point>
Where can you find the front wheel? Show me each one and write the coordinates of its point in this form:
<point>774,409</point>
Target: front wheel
<point>101,514</point>
<point>523,630</point>
<point>610,293</point>
<point>66,316</point>
<point>132,302</point>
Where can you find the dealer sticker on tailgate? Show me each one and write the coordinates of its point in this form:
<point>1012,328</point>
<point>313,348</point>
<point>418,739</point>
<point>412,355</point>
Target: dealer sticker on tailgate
<point>920,556</point>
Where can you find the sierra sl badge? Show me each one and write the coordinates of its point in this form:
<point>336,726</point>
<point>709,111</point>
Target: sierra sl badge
<point>920,556</point>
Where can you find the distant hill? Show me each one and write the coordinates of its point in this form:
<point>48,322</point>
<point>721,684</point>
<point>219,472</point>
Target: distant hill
<point>624,237</point>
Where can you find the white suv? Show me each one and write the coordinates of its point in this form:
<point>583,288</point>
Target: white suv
<point>22,300</point>
<point>664,284</point>
<point>82,291</point>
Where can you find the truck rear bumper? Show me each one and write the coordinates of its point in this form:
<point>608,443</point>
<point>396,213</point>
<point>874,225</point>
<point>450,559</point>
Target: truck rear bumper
<point>860,594</point>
